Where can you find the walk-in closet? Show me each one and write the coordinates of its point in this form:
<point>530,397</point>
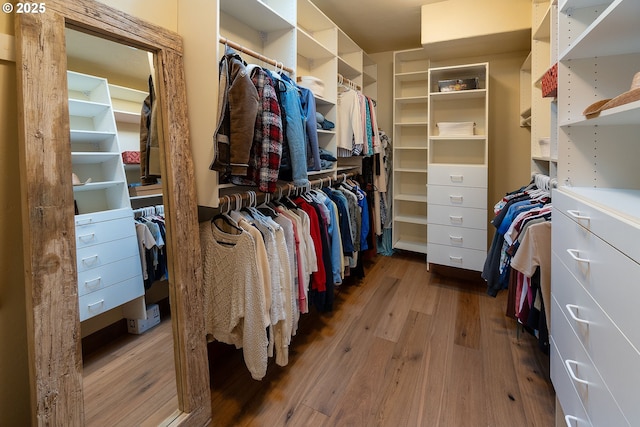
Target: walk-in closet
<point>319,213</point>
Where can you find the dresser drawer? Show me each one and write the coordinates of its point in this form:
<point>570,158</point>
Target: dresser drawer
<point>470,259</point>
<point>457,236</point>
<point>98,255</point>
<point>575,414</point>
<point>458,175</point>
<point>610,277</point>
<point>457,217</point>
<point>615,230</point>
<point>604,343</point>
<point>464,197</point>
<point>94,217</point>
<point>108,274</point>
<point>96,233</point>
<point>105,299</point>
<point>594,395</point>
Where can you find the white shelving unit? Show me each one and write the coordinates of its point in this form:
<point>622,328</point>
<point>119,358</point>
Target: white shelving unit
<point>595,255</point>
<point>458,170</point>
<point>297,34</point>
<point>410,133</point>
<point>544,53</point>
<point>109,272</point>
<point>127,109</point>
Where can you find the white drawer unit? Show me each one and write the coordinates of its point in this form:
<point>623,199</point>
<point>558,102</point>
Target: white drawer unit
<point>594,316</point>
<point>100,255</point>
<point>463,197</point>
<point>456,216</point>
<point>470,259</point>
<point>108,258</point>
<point>106,299</point>
<point>574,413</point>
<point>105,231</point>
<point>460,237</point>
<point>108,274</point>
<point>458,175</point>
<point>601,407</point>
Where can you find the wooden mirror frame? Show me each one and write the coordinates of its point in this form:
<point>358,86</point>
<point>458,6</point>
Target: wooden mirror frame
<point>53,325</point>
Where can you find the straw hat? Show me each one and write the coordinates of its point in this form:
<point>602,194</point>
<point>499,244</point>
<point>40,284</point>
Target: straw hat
<point>633,94</point>
<point>76,181</point>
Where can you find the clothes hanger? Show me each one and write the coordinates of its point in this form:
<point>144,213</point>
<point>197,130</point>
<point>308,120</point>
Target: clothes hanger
<point>224,216</point>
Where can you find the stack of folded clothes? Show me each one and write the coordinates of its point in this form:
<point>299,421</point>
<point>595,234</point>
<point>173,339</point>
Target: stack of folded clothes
<point>323,123</point>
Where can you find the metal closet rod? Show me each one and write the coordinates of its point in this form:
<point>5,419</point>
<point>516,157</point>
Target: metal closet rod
<point>246,197</point>
<point>239,47</point>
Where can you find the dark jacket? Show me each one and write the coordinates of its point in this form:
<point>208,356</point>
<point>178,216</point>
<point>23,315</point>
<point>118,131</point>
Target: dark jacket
<point>237,107</point>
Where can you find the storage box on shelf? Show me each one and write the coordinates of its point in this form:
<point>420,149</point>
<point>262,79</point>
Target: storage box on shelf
<point>109,273</point>
<point>410,117</point>
<point>458,168</point>
<point>598,211</point>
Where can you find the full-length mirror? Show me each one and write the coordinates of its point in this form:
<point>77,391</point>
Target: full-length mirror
<point>128,371</point>
<point>56,149</point>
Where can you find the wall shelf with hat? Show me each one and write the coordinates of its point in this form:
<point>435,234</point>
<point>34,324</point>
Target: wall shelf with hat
<point>596,216</point>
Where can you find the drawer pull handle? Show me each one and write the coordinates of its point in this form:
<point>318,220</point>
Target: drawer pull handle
<point>455,199</point>
<point>570,309</point>
<point>572,374</point>
<point>456,219</point>
<point>455,238</point>
<point>95,304</point>
<point>88,261</point>
<point>457,259</point>
<point>84,221</point>
<point>574,253</point>
<point>93,283</point>
<point>456,178</point>
<point>576,215</point>
<point>87,237</point>
<point>569,418</point>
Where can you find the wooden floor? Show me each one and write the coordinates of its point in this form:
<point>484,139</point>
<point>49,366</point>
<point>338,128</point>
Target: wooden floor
<point>131,381</point>
<point>403,347</point>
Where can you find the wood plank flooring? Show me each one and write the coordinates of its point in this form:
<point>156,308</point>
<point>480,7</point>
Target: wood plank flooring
<point>403,347</point>
<point>132,381</point>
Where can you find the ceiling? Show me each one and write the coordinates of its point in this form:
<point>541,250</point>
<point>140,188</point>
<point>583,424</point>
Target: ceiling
<point>377,25</point>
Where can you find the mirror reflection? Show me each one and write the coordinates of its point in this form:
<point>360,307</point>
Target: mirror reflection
<point>123,289</point>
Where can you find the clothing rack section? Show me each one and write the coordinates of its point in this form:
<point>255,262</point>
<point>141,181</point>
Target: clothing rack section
<point>519,258</point>
<point>348,83</point>
<point>148,211</point>
<point>241,199</point>
<point>279,65</point>
<point>544,182</point>
<point>266,265</point>
<point>152,235</point>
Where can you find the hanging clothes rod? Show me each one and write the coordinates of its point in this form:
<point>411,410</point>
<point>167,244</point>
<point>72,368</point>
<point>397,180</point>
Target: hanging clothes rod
<point>246,197</point>
<point>238,47</point>
<point>346,82</point>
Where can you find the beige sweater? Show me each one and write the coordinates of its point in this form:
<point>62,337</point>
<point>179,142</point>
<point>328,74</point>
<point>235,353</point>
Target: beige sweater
<point>234,299</point>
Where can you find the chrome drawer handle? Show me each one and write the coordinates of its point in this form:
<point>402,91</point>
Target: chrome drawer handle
<point>572,374</point>
<point>456,178</point>
<point>93,283</point>
<point>456,219</point>
<point>569,418</point>
<point>576,214</point>
<point>455,259</point>
<point>455,238</point>
<point>92,305</point>
<point>90,260</point>
<point>570,309</point>
<point>455,199</point>
<point>87,237</point>
<point>574,253</point>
